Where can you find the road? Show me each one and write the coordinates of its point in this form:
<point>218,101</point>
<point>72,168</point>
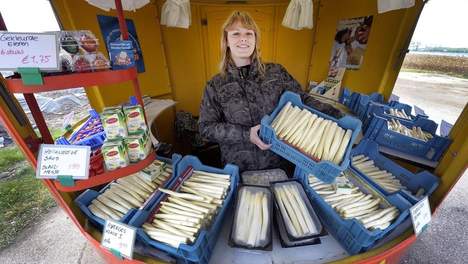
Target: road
<point>55,240</point>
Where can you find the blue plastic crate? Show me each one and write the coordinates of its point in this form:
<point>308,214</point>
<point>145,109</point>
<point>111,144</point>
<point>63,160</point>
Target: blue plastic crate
<point>200,251</point>
<point>431,150</point>
<point>95,140</point>
<point>380,110</point>
<point>350,233</point>
<point>85,199</point>
<point>345,97</point>
<point>324,170</point>
<point>413,181</point>
<point>362,105</point>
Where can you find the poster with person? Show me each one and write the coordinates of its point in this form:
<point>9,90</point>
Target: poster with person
<point>111,33</point>
<point>350,43</point>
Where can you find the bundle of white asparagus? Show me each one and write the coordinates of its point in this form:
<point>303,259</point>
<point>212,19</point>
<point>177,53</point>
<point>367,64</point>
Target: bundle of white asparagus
<point>294,211</point>
<point>415,132</point>
<point>383,178</point>
<point>365,208</point>
<point>319,138</point>
<point>180,216</point>
<point>252,222</point>
<point>398,113</point>
<point>125,194</point>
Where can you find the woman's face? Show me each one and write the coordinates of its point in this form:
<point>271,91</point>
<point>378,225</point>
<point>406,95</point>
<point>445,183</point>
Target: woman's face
<point>241,41</point>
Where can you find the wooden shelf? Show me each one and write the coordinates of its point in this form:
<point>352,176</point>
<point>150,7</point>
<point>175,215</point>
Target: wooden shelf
<point>107,176</point>
<point>66,81</point>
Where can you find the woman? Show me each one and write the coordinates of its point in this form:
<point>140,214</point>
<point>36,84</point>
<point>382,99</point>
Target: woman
<point>245,90</point>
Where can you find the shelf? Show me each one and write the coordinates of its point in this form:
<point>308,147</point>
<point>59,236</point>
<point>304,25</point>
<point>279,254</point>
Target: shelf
<point>66,81</point>
<point>107,176</point>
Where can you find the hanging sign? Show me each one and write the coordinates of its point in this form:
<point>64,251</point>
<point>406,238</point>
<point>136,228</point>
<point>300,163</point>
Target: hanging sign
<point>28,50</point>
<point>119,238</point>
<point>421,215</point>
<point>61,160</point>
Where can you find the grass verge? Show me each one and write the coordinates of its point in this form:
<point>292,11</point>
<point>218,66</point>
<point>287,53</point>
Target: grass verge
<point>23,198</point>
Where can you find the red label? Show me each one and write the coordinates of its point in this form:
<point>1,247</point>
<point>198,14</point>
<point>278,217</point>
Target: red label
<point>112,153</point>
<point>111,120</point>
<point>133,145</point>
<point>133,114</point>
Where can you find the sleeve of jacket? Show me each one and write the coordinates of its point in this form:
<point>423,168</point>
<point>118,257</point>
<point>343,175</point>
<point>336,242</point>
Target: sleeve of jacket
<point>212,124</point>
<point>292,85</point>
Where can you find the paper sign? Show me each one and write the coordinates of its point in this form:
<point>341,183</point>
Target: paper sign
<point>445,128</point>
<point>34,50</point>
<point>420,215</point>
<point>393,97</point>
<point>419,111</point>
<point>60,160</point>
<point>119,237</point>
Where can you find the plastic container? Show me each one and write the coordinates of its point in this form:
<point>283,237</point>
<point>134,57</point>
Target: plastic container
<point>324,170</point>
<point>86,133</point>
<point>412,181</point>
<point>307,204</point>
<point>200,251</point>
<point>85,199</point>
<point>431,150</point>
<point>363,104</point>
<point>266,244</point>
<point>350,233</point>
<point>263,177</point>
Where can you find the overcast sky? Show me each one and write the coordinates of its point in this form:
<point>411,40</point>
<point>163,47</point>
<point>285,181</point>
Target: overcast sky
<point>442,23</point>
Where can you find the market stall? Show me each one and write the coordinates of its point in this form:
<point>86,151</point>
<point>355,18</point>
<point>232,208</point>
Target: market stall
<point>361,185</point>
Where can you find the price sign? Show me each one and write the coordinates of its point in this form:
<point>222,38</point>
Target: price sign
<point>421,215</point>
<point>34,50</point>
<point>61,160</point>
<point>118,237</point>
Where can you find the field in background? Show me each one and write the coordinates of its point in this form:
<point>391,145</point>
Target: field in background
<point>450,65</point>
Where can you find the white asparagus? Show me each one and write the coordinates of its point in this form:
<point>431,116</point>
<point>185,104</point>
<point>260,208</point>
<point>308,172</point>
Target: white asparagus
<point>185,195</point>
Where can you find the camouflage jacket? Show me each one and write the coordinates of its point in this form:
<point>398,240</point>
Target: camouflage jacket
<point>231,105</point>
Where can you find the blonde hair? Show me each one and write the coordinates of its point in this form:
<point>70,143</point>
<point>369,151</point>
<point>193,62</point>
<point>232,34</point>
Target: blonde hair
<point>246,21</point>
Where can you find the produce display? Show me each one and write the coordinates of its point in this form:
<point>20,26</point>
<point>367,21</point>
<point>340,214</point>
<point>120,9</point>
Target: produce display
<point>350,202</point>
<point>184,211</point>
<point>254,208</point>
<point>127,193</point>
<point>78,52</point>
<point>415,132</point>
<point>383,178</point>
<point>296,216</point>
<point>317,137</point>
<point>398,113</point>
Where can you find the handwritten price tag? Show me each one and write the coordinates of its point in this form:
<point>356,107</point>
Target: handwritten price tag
<point>119,237</point>
<point>58,160</point>
<point>37,50</point>
<point>421,215</point>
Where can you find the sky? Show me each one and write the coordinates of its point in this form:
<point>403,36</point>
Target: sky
<point>442,23</point>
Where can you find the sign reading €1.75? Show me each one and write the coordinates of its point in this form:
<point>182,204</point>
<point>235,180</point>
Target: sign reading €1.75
<point>62,160</point>
<point>28,50</point>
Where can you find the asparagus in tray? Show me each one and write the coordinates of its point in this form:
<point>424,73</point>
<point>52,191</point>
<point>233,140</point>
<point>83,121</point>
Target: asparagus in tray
<point>130,192</point>
<point>183,212</point>
<point>252,222</point>
<point>350,202</point>
<point>398,113</point>
<point>317,137</point>
<point>415,132</point>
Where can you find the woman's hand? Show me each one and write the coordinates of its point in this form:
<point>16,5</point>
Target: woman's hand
<point>255,139</point>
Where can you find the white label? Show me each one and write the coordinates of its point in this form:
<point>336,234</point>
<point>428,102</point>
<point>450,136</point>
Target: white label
<point>59,160</point>
<point>37,50</point>
<point>421,215</point>
<point>119,237</point>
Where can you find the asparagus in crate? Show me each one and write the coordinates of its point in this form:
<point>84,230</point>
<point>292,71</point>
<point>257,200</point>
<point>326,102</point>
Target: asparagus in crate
<point>179,217</point>
<point>295,214</point>
<point>319,138</point>
<point>350,202</point>
<point>398,113</point>
<point>130,192</point>
<point>253,208</point>
<point>415,132</point>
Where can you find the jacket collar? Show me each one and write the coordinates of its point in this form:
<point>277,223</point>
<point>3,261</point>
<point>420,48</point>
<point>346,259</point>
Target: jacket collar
<point>234,72</point>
